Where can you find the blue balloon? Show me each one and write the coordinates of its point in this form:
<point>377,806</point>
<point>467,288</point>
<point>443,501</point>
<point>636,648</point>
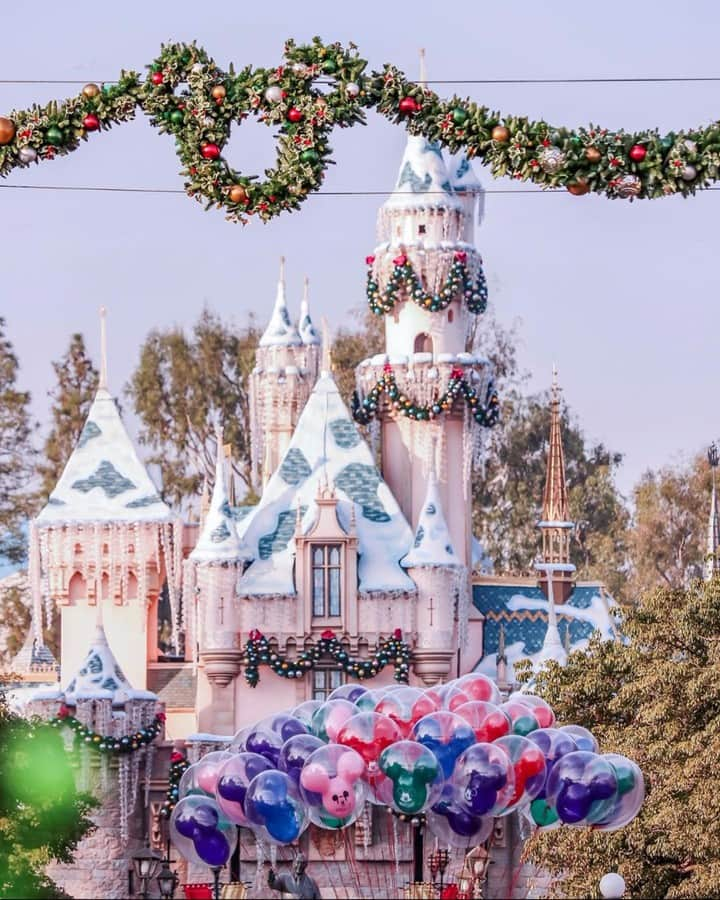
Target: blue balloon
<point>446,735</point>
<point>273,801</point>
<point>212,847</point>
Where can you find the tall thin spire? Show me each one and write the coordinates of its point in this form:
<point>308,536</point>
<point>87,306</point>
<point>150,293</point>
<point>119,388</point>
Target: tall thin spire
<point>326,364</point>
<point>555,502</point>
<point>423,68</point>
<point>306,328</point>
<point>712,556</point>
<point>280,330</point>
<point>103,382</point>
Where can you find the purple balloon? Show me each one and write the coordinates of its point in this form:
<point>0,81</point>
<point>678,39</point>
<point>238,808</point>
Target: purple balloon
<point>232,787</point>
<point>573,802</point>
<point>206,818</point>
<point>212,847</point>
<point>264,743</point>
<point>295,752</point>
<point>186,825</point>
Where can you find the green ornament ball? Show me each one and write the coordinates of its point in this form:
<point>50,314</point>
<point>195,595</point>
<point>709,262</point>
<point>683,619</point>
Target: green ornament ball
<point>329,66</point>
<point>459,115</point>
<point>177,117</point>
<point>54,135</point>
<point>310,156</point>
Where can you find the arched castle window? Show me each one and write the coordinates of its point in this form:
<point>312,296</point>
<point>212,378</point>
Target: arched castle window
<point>451,315</point>
<point>423,343</point>
<point>76,588</point>
<point>326,580</point>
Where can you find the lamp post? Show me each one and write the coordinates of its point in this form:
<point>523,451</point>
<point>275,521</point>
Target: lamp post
<point>146,863</point>
<point>167,880</point>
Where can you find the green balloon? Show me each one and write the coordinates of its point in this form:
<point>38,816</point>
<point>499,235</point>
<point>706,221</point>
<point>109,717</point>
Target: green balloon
<point>524,725</point>
<point>625,778</point>
<point>409,794</point>
<point>542,813</point>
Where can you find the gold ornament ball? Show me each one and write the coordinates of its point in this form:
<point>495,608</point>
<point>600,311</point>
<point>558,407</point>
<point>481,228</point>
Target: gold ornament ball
<point>219,92</point>
<point>501,134</point>
<point>238,194</point>
<point>91,90</point>
<point>578,188</point>
<point>593,155</point>
<point>7,130</point>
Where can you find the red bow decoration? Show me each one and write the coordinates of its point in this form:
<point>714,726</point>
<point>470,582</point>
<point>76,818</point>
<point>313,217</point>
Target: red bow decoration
<point>456,372</point>
<point>328,635</point>
<point>161,717</point>
<point>63,712</point>
<point>255,635</point>
<point>387,368</point>
<point>460,256</point>
<point>369,260</point>
<point>176,756</point>
<point>400,260</point>
<point>397,634</point>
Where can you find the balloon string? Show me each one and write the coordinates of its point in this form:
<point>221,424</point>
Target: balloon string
<point>351,860</point>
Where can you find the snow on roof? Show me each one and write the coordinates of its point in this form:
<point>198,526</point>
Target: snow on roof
<point>218,541</point>
<point>280,331</point>
<point>32,655</point>
<point>326,448</point>
<point>423,179</point>
<point>101,677</point>
<point>104,480</point>
<point>464,181</point>
<point>307,331</point>
<point>433,546</point>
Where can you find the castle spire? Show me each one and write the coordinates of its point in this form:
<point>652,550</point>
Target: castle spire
<point>712,556</point>
<point>306,328</point>
<point>280,331</point>
<point>103,381</point>
<point>555,525</point>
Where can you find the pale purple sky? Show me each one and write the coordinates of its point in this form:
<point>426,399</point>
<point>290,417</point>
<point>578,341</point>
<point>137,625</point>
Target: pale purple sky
<point>621,296</point>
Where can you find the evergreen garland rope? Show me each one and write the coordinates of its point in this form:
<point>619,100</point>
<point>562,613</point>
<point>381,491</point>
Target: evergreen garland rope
<point>187,96</point>
<point>484,413</point>
<point>108,743</point>
<point>392,651</point>
<point>178,766</point>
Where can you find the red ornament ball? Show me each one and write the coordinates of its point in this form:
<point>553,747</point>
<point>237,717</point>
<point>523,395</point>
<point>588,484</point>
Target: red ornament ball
<point>157,78</point>
<point>294,114</point>
<point>408,105</point>
<point>638,153</point>
<point>210,151</point>
<point>91,122</point>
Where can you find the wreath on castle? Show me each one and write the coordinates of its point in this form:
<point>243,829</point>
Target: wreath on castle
<point>392,651</point>
<point>109,744</point>
<point>319,86</point>
<point>485,412</point>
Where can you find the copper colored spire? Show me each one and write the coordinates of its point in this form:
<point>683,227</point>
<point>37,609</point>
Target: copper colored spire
<point>555,502</point>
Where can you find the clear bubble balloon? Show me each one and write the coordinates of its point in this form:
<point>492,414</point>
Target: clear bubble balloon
<point>305,711</point>
<point>369,700</point>
<point>369,733</point>
<point>473,686</point>
<point>528,765</point>
<point>584,739</point>
<point>333,786</point>
<point>265,742</point>
<point>284,724</point>
<point>488,721</point>
<point>583,788</point>
<point>200,831</point>
<point>234,777</point>
<point>295,752</point>
<point>522,717</point>
<point>406,707</point>
<point>554,744</point>
<point>201,777</point>
<point>412,778</point>
<point>542,711</point>
<point>274,806</point>
<point>350,691</point>
<point>455,827</point>
<point>329,718</point>
<point>446,735</point>
<point>237,744</point>
<point>484,780</point>
<point>630,793</point>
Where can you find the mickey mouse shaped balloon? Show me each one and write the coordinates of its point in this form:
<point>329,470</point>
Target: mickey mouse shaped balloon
<point>447,735</point>
<point>200,832</point>
<point>273,804</point>
<point>484,780</point>
<point>413,779</point>
<point>334,774</point>
<point>234,776</point>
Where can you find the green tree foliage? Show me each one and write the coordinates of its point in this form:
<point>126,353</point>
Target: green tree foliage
<point>42,815</point>
<point>16,455</point>
<point>656,700</point>
<point>668,539</point>
<point>508,495</point>
<point>77,381</point>
<point>353,344</point>
<point>180,384</point>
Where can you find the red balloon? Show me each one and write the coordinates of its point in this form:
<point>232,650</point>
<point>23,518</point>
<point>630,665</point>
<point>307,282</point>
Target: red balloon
<point>91,122</point>
<point>487,720</point>
<point>406,707</point>
<point>210,151</point>
<point>476,686</point>
<point>368,733</point>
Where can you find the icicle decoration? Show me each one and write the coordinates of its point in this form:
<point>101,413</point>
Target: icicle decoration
<point>177,529</point>
<point>166,537</point>
<point>123,779</point>
<point>45,564</point>
<point>134,782</point>
<point>35,580</point>
<point>149,759</point>
<point>461,589</point>
<point>258,881</point>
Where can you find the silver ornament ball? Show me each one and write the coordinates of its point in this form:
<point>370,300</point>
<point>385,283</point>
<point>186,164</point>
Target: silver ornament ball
<point>628,186</point>
<point>300,68</point>
<point>689,173</point>
<point>352,89</point>
<point>552,159</point>
<point>27,154</point>
<point>690,146</point>
<point>197,68</point>
<point>273,94</point>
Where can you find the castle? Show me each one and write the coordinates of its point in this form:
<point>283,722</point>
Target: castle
<point>336,545</point>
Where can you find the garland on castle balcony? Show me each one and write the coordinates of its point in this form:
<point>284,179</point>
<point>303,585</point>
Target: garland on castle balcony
<point>108,743</point>
<point>393,651</point>
<point>189,97</point>
<point>403,276</point>
<point>178,765</point>
<point>484,413</point>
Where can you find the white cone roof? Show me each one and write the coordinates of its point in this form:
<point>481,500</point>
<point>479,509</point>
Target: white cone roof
<point>433,546</point>
<point>219,541</point>
<point>280,331</point>
<point>104,479</point>
<point>423,179</point>
<point>100,676</point>
<point>307,331</point>
<point>326,448</point>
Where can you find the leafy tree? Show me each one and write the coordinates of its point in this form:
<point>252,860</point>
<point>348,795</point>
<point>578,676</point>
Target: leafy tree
<point>42,815</point>
<point>668,538</point>
<point>16,455</point>
<point>654,698</point>
<point>77,381</point>
<point>180,383</point>
<point>353,344</point>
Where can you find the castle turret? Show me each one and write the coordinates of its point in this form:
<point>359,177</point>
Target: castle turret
<point>712,550</point>
<point>106,536</point>
<point>286,367</point>
<point>557,572</point>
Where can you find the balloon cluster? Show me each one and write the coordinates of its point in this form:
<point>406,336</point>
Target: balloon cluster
<point>456,754</point>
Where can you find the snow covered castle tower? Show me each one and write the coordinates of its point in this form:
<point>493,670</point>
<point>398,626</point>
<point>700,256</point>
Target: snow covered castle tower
<point>287,365</point>
<point>431,396</point>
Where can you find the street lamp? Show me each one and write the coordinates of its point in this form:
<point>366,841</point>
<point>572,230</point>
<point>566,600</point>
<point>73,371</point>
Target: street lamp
<point>612,886</point>
<point>167,880</point>
<point>146,863</point>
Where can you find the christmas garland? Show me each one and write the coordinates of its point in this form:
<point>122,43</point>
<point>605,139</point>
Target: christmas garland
<point>485,414</point>
<point>108,743</point>
<point>189,97</point>
<point>392,651</point>
<point>178,765</point>
<point>404,277</point>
